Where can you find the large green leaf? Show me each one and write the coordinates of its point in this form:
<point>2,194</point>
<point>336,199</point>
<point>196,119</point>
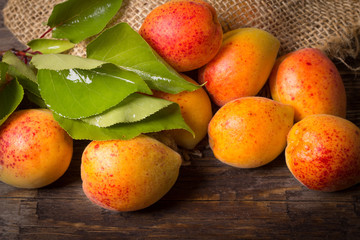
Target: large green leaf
<point>47,46</point>
<point>10,97</point>
<point>77,93</point>
<point>166,119</point>
<point>123,46</point>
<point>77,20</point>
<point>24,72</point>
<point>64,61</point>
<point>134,108</point>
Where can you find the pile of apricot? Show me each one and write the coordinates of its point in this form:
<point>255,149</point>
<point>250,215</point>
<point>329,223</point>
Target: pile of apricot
<point>305,115</point>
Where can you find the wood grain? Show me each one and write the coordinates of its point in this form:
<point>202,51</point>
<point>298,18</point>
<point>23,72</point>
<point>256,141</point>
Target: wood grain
<point>209,200</point>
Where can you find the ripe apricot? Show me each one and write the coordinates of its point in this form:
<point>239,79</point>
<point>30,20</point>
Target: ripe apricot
<point>196,110</point>
<point>242,65</point>
<point>250,132</point>
<point>34,150</point>
<point>323,152</point>
<point>128,175</point>
<point>186,33</point>
<point>310,82</point>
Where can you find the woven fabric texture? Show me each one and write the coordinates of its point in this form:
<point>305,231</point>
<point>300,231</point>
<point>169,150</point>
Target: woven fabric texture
<point>332,26</point>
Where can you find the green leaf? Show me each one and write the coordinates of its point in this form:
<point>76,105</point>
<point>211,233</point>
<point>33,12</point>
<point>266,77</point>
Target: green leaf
<point>64,61</point>
<point>3,70</point>
<point>134,108</point>
<point>166,119</point>
<point>24,72</point>
<point>77,93</point>
<point>10,97</point>
<point>77,20</point>
<point>123,46</point>
<point>47,46</point>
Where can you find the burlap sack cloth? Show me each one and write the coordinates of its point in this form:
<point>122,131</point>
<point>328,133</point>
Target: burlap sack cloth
<point>330,25</point>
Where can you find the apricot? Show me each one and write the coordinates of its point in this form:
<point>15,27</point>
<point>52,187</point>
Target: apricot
<point>250,132</point>
<point>310,82</point>
<point>34,150</point>
<point>323,152</point>
<point>242,65</point>
<point>128,175</point>
<point>196,110</point>
<point>186,33</point>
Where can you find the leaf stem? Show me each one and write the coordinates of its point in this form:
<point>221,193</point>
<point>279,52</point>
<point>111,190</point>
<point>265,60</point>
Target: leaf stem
<point>45,33</point>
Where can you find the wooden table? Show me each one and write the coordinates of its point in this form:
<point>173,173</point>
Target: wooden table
<point>209,200</point>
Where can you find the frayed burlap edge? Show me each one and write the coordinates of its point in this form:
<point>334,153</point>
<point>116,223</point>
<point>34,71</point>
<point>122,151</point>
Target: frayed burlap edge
<point>341,49</point>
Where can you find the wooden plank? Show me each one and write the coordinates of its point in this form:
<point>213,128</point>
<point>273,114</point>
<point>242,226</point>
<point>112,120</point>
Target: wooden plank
<point>14,214</point>
<point>204,180</point>
<point>179,220</point>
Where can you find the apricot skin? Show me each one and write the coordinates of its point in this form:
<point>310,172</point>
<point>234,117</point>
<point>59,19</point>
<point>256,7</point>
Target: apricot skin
<point>196,110</point>
<point>128,175</point>
<point>309,81</point>
<point>34,150</point>
<point>186,33</point>
<point>242,65</point>
<point>250,132</point>
<point>323,152</point>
